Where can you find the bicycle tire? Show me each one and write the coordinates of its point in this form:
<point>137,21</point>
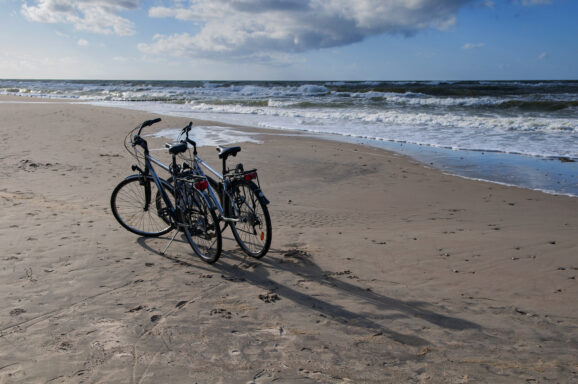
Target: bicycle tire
<point>200,225</point>
<point>253,231</point>
<point>218,190</point>
<point>129,207</point>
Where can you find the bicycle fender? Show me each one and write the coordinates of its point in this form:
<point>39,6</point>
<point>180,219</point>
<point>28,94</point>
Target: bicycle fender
<point>262,196</point>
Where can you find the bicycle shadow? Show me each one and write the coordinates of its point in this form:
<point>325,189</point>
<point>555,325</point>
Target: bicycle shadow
<point>306,268</point>
<point>235,266</point>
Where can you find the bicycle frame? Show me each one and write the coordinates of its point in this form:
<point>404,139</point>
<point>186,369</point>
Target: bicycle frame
<point>197,160</point>
<point>226,203</point>
<point>236,194</point>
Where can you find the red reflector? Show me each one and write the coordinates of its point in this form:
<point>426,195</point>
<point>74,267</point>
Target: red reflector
<point>250,176</point>
<point>202,185</point>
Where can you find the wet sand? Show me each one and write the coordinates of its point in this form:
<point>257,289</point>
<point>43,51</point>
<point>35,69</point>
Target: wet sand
<point>381,269</point>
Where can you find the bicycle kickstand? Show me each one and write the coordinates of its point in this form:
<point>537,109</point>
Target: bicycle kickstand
<point>170,242</point>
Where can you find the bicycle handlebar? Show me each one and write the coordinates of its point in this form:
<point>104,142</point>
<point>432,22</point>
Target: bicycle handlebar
<point>137,140</point>
<point>185,131</point>
<point>148,123</point>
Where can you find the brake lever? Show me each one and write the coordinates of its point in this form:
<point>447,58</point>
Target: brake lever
<point>187,129</point>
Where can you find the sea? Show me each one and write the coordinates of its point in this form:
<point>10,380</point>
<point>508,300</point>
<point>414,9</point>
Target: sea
<point>521,133</point>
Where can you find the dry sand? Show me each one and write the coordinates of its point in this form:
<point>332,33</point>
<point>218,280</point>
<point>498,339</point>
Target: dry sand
<point>381,269</point>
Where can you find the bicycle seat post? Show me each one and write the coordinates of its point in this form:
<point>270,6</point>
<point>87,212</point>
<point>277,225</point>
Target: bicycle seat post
<point>174,166</point>
<point>225,152</point>
<point>224,165</point>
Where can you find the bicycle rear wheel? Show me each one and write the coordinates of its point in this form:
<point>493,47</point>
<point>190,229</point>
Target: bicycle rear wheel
<point>253,231</point>
<point>200,225</point>
<point>137,205</point>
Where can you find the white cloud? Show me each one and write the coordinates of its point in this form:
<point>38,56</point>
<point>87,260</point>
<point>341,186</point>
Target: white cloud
<point>82,43</point>
<point>96,16</point>
<point>543,55</point>
<point>472,45</point>
<point>262,29</point>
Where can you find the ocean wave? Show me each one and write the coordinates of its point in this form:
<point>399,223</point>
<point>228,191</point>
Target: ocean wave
<point>510,116</point>
<point>394,117</point>
<point>538,105</point>
<point>534,137</point>
<point>522,96</point>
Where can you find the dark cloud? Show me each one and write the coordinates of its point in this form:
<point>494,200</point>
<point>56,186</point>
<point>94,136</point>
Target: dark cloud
<point>246,28</point>
<point>260,6</point>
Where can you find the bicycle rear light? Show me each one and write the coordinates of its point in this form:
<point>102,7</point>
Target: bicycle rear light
<point>202,185</point>
<point>250,176</point>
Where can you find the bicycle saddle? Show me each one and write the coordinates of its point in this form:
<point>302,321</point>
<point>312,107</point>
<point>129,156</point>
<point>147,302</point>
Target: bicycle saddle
<point>176,148</point>
<point>225,152</point>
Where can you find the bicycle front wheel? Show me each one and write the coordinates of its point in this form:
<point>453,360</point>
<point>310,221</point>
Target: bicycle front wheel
<point>137,205</point>
<point>253,230</point>
<point>200,225</point>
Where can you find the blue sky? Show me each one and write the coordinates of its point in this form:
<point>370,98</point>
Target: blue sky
<point>289,39</point>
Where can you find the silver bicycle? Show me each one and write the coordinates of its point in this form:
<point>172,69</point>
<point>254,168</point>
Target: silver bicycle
<point>237,196</point>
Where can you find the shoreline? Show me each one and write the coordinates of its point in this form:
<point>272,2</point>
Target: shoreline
<point>554,176</point>
<point>540,176</point>
<point>550,175</point>
<point>381,269</point>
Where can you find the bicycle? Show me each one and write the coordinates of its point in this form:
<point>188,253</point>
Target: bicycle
<point>237,196</point>
<point>141,202</point>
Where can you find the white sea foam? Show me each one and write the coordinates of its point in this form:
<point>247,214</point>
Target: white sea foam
<point>536,136</point>
<point>527,135</point>
<point>208,135</point>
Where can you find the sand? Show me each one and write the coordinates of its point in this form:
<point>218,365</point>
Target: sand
<point>382,270</point>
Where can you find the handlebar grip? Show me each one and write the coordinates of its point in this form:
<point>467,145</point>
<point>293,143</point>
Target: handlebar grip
<point>150,122</point>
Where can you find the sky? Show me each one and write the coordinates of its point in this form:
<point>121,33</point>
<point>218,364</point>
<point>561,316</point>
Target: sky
<point>289,39</point>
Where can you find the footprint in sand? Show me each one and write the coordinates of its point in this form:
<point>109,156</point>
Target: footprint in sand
<point>13,371</point>
<point>17,312</point>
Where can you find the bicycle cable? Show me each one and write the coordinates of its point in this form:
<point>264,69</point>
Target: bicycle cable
<point>128,143</point>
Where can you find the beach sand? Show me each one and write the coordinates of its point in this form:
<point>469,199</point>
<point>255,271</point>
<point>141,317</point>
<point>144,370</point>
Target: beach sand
<point>382,270</point>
